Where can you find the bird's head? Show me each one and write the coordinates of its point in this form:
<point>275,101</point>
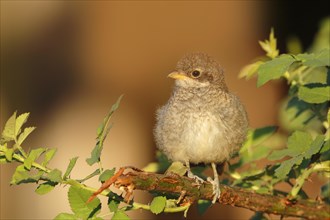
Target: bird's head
<point>198,70</point>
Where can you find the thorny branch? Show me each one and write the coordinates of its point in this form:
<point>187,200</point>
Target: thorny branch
<point>234,196</point>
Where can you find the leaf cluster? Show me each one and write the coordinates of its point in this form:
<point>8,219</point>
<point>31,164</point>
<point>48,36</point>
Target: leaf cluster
<point>34,168</point>
<point>305,116</point>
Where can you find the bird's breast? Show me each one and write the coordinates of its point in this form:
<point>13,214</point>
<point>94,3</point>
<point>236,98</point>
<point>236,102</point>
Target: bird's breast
<point>196,135</point>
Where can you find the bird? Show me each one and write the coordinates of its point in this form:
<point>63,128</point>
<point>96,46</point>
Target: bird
<point>202,122</point>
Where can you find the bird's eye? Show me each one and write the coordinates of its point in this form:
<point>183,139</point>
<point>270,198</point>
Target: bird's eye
<point>196,74</point>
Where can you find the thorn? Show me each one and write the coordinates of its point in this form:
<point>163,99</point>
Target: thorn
<point>182,195</point>
<point>107,184</point>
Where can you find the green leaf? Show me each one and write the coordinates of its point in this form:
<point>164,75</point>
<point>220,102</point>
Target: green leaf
<point>300,145</point>
<point>286,166</point>
<point>9,154</point>
<point>256,153</point>
<point>203,205</point>
<point>322,58</point>
<point>113,205</point>
<point>296,114</point>
<point>50,153</point>
<point>120,215</point>
<point>102,132</point>
<point>279,154</point>
<point>257,136</point>
<point>106,132</point>
<point>107,174</point>
<point>45,188</point>
<point>95,155</point>
<point>158,204</point>
<point>70,167</point>
<point>8,132</point>
<point>20,120</point>
<point>314,95</point>
<point>325,147</point>
<point>250,70</point>
<point>21,175</point>
<point>102,127</point>
<point>77,199</point>
<point>96,172</point>
<point>299,142</point>
<point>315,146</point>
<point>66,216</point>
<point>274,69</point>
<point>270,45</point>
<point>33,155</point>
<point>27,131</point>
<point>252,149</point>
<point>152,167</point>
<point>115,106</point>
<point>317,75</point>
<point>261,134</point>
<point>55,176</point>
<point>178,168</point>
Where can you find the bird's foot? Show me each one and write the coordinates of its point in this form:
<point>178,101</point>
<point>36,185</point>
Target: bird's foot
<point>216,189</point>
<point>197,179</point>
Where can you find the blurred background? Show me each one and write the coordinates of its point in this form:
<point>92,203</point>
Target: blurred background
<point>67,62</point>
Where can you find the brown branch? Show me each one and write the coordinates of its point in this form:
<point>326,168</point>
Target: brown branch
<point>234,196</point>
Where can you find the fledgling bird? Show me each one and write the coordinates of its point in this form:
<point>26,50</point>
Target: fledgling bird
<point>202,121</point>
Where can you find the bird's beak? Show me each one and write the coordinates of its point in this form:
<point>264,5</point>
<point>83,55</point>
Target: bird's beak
<point>177,75</point>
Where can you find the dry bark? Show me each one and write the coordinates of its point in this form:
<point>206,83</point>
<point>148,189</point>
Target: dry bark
<point>234,196</point>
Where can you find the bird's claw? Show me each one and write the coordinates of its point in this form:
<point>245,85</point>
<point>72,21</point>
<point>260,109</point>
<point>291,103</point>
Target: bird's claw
<point>216,189</point>
<point>197,179</point>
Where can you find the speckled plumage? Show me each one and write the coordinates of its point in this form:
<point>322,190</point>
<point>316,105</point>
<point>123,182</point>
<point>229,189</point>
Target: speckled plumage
<point>202,122</point>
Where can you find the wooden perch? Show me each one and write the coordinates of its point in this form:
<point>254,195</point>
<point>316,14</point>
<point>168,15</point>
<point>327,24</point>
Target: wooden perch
<point>174,184</point>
